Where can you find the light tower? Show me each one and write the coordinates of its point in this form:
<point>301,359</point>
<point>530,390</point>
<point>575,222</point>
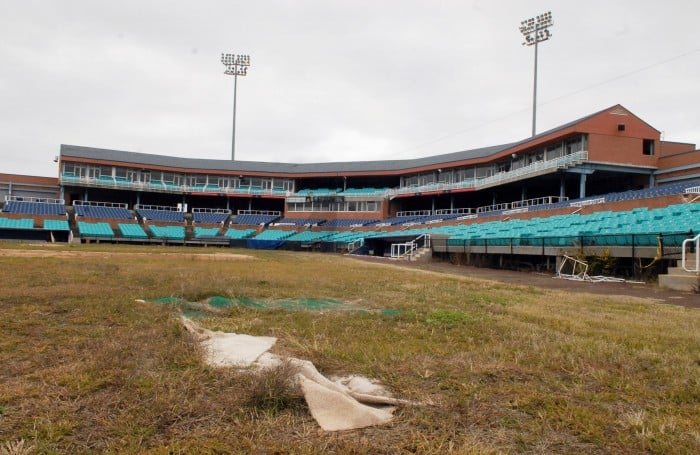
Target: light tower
<point>535,30</point>
<point>236,65</point>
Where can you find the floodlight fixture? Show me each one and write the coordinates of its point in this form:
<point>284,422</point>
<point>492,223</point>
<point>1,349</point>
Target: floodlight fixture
<point>536,30</point>
<point>236,65</point>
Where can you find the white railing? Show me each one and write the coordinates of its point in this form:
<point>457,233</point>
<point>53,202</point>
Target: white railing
<point>259,212</point>
<point>502,177</point>
<point>399,250</point>
<point>534,168</point>
<point>600,200</point>
<point>359,243</point>
<point>169,187</point>
<point>465,210</point>
<point>414,213</point>
<point>44,200</point>
<point>517,210</point>
<point>208,210</point>
<point>695,242</point>
<point>163,208</point>
<point>546,200</point>
<point>102,204</point>
<point>494,207</point>
<point>694,191</point>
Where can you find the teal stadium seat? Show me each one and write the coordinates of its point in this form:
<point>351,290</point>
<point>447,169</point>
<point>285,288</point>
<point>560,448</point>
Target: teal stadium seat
<point>239,234</point>
<point>205,232</point>
<point>98,230</point>
<point>168,232</point>
<point>11,223</point>
<point>274,234</point>
<point>132,231</point>
<point>56,225</point>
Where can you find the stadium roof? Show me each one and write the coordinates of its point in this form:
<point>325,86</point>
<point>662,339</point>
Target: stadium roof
<point>145,159</point>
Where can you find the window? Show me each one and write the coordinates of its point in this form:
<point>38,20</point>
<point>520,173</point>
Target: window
<point>648,147</point>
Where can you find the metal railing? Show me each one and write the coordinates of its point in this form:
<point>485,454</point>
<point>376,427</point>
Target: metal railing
<point>110,182</point>
<point>587,202</point>
<point>399,250</point>
<point>695,246</point>
<point>209,210</point>
<point>43,200</point>
<point>359,243</point>
<point>561,162</point>
<point>464,210</point>
<point>259,212</point>
<point>414,213</point>
<point>122,205</point>
<point>545,200</point>
<point>163,208</point>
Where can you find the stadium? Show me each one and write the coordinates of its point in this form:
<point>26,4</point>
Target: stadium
<point>122,271</point>
<point>605,185</point>
<point>390,262</point>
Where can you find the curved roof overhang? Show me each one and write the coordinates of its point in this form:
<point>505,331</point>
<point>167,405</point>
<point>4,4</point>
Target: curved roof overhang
<point>106,157</point>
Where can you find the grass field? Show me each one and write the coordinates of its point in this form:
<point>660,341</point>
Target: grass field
<point>498,368</point>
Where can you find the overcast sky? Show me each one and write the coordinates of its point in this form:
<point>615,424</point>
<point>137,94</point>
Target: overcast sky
<point>331,80</point>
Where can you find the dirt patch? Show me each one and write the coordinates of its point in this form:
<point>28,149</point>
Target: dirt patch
<point>648,291</point>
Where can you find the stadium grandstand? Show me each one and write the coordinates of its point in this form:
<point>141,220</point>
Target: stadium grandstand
<point>606,182</point>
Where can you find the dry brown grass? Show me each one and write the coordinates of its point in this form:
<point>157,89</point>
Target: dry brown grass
<point>503,369</point>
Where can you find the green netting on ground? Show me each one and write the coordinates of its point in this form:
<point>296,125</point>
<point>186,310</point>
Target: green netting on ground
<point>167,300</point>
<point>217,304</point>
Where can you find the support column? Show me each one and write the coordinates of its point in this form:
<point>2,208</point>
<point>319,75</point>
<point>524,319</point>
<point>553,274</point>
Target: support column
<point>523,194</point>
<point>652,181</point>
<point>562,185</point>
<point>582,186</point>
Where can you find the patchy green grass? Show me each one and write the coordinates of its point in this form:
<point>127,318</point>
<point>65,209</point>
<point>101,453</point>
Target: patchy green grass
<point>501,369</point>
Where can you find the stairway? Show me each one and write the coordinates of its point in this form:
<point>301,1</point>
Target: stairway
<point>678,279</point>
<point>419,255</point>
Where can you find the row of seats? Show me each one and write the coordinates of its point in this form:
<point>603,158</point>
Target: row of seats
<point>348,223</point>
<point>299,222</point>
<point>210,217</point>
<point>96,211</point>
<point>342,192</point>
<point>11,223</point>
<point>639,226</point>
<point>137,232</point>
<point>254,220</point>
<point>34,208</point>
<point>29,223</point>
<point>168,216</point>
<point>168,232</point>
<point>129,231</point>
<point>52,208</point>
<point>416,219</point>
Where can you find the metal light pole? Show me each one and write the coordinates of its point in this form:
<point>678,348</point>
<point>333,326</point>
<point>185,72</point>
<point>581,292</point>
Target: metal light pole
<point>236,65</point>
<point>536,30</point>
